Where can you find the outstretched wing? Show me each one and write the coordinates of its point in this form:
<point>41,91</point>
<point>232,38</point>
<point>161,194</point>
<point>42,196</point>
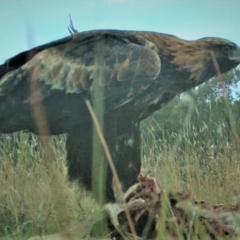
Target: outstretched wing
<point>123,67</point>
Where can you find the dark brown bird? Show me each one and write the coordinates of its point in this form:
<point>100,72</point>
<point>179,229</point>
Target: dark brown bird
<point>138,73</point>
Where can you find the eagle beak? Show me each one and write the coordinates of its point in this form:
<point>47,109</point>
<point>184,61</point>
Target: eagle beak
<point>235,56</point>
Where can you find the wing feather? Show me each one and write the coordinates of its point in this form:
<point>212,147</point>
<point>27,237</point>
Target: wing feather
<point>124,68</point>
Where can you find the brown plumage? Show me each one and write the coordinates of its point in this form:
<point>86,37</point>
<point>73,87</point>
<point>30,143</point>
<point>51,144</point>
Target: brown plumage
<point>138,72</point>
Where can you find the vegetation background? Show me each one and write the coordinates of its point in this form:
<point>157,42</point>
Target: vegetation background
<point>191,143</point>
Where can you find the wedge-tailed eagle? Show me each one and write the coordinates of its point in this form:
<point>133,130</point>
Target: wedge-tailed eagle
<point>138,72</point>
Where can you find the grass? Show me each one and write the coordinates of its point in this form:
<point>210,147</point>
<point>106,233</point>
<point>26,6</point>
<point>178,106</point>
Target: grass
<point>26,197</point>
<point>210,173</point>
<point>28,202</point>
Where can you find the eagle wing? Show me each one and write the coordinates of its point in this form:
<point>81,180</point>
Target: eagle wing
<point>120,63</point>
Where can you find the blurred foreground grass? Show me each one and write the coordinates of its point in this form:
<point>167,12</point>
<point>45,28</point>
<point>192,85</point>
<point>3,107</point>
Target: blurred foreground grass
<point>26,198</point>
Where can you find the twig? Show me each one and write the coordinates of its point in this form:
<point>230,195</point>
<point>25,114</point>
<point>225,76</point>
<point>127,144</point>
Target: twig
<point>113,169</point>
<point>71,28</point>
<point>225,98</point>
<point>40,119</point>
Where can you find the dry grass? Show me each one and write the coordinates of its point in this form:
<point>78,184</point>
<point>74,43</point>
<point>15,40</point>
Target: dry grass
<point>211,173</point>
<point>27,204</point>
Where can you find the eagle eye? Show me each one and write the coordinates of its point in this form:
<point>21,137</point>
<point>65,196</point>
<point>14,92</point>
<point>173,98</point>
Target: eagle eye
<point>226,49</point>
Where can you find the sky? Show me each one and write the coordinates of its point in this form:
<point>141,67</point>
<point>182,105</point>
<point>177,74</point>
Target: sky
<point>28,23</point>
